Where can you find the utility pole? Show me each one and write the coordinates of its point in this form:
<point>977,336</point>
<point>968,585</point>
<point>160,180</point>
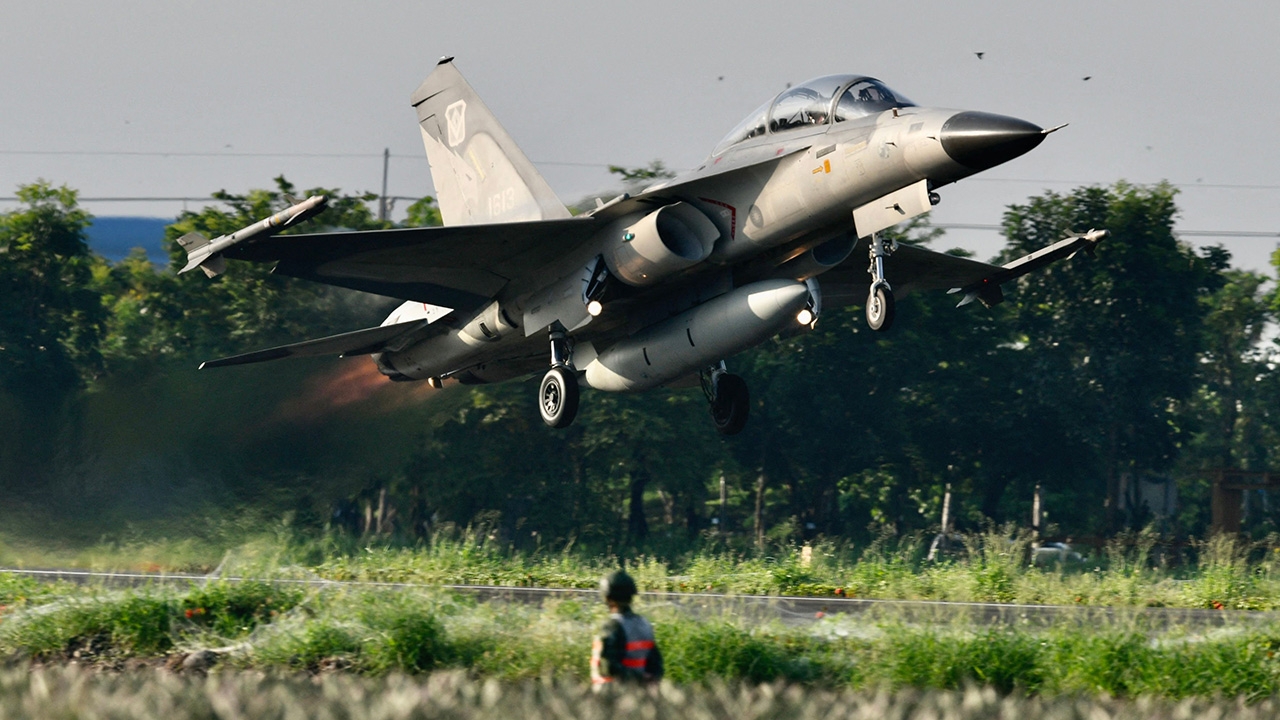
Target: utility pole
<point>1037,512</point>
<point>724,502</point>
<point>941,540</point>
<point>946,510</point>
<point>382,201</point>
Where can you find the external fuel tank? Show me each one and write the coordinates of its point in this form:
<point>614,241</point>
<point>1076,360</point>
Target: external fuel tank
<point>698,337</point>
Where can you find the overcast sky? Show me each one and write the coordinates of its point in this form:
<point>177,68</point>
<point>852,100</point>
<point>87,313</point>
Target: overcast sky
<point>1178,91</point>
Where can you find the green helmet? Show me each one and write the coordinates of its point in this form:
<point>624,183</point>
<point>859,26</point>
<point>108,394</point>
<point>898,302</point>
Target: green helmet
<point>618,587</point>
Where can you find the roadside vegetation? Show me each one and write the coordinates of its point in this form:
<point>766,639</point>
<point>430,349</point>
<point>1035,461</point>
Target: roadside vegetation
<point>377,632</point>
<point>74,692</point>
<point>1000,566</point>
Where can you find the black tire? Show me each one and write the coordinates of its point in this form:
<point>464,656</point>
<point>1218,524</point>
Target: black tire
<point>880,309</point>
<point>731,406</point>
<point>558,397</point>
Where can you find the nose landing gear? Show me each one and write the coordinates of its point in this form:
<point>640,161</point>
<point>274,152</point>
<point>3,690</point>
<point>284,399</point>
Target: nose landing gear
<point>880,299</point>
<point>558,393</point>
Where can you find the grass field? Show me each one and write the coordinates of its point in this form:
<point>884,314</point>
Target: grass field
<point>991,567</point>
<point>260,626</point>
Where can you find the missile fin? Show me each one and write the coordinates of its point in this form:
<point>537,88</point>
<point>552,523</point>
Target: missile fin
<point>214,266</point>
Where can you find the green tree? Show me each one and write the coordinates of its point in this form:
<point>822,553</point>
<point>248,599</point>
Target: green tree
<point>424,213</point>
<point>633,178</point>
<point>1113,344</point>
<point>644,446</point>
<point>856,431</point>
<point>53,318</point>
<point>157,314</point>
<point>1234,366</point>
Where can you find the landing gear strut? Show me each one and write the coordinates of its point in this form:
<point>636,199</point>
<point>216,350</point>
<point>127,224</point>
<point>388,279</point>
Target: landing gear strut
<point>729,398</point>
<point>558,393</point>
<point>880,299</point>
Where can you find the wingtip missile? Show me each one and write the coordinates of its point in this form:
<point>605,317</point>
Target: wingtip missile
<point>206,254</point>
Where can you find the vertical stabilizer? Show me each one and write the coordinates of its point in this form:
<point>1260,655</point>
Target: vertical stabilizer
<point>479,174</point>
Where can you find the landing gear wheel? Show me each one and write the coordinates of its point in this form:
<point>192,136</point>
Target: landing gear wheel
<point>880,309</point>
<point>729,409</point>
<point>558,397</point>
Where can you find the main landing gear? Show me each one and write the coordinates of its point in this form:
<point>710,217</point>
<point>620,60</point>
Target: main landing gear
<point>729,398</point>
<point>880,299</point>
<point>558,393</point>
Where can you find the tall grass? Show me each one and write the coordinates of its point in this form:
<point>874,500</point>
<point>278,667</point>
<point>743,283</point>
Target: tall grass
<point>382,632</point>
<point>995,566</point>
<point>74,692</point>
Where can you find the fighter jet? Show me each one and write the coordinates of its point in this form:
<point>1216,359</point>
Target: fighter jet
<point>658,288</point>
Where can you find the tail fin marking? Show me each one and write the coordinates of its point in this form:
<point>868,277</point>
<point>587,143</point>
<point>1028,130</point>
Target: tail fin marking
<point>480,175</point>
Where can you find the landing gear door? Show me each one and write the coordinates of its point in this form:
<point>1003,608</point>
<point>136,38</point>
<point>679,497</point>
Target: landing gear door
<point>891,209</point>
<point>561,302</point>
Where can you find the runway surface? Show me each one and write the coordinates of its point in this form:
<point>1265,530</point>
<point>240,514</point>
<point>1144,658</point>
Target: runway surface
<point>789,609</point>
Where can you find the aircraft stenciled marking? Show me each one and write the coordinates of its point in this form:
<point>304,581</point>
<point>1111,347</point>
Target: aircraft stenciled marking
<point>456,115</point>
<point>733,215</point>
<point>825,167</point>
<point>475,161</point>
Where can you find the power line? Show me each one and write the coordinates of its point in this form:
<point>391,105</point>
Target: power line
<point>1180,186</point>
<point>1179,233</point>
<point>552,163</point>
<point>244,154</point>
<point>985,227</point>
<point>162,153</point>
<point>209,199</point>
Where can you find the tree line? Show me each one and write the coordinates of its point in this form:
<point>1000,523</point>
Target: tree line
<point>1150,360</point>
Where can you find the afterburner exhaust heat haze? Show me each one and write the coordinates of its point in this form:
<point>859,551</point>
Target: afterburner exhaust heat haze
<point>661,287</point>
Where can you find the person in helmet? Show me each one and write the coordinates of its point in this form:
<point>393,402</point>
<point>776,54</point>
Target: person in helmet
<point>625,649</point>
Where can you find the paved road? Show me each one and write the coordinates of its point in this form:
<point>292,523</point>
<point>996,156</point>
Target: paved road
<point>793,610</point>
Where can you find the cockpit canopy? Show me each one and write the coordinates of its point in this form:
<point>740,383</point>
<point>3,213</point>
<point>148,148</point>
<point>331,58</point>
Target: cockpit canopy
<point>833,98</point>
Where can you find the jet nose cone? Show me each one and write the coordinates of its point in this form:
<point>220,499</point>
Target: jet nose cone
<point>979,140</point>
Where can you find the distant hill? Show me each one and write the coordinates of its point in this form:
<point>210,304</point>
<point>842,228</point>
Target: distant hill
<point>114,237</point>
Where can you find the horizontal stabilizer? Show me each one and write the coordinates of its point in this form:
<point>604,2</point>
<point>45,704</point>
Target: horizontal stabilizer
<point>359,342</point>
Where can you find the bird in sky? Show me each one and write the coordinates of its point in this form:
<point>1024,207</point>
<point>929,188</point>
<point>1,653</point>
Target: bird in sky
<point>980,54</point>
<point>1086,78</point>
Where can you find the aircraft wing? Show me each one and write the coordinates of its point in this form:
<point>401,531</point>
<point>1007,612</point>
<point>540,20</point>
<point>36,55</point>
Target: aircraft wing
<point>911,268</point>
<point>359,342</point>
<point>457,266</point>
<point>916,268</point>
